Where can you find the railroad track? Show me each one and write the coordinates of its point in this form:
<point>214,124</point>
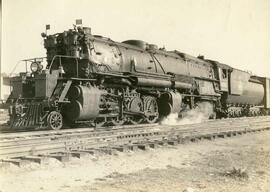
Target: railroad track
<point>36,145</point>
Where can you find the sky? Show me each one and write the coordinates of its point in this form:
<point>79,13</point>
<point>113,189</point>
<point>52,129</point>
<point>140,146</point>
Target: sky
<point>234,32</point>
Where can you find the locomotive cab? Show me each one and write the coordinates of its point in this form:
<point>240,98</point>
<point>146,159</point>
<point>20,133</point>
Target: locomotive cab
<point>222,72</point>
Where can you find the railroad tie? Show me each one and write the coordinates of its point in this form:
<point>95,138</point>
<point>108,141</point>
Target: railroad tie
<point>122,148</point>
<point>153,145</point>
<point>79,154</point>
<point>88,151</point>
<point>162,143</point>
<point>195,139</point>
<point>144,146</point>
<point>17,162</point>
<point>173,142</point>
<point>36,159</point>
<point>107,150</point>
<point>208,137</point>
<point>133,147</point>
<point>222,135</point>
<point>63,157</point>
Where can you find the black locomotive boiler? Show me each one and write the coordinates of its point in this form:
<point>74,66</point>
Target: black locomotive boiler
<point>91,79</point>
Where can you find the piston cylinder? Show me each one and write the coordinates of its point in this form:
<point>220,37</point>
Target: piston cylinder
<point>169,102</point>
<point>84,103</point>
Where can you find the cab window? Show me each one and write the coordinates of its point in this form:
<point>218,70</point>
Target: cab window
<point>224,73</point>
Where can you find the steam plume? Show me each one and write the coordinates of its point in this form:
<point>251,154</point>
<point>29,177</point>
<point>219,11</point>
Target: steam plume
<point>201,113</point>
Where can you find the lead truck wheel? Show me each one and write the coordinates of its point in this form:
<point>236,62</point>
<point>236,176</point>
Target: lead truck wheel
<point>55,120</point>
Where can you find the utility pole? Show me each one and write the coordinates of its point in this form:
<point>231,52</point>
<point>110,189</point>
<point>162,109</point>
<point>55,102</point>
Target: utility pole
<point>1,78</point>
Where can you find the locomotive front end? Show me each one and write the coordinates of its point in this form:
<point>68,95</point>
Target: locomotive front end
<point>30,93</point>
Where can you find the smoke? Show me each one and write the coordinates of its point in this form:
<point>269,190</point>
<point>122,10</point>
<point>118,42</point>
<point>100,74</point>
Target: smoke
<point>197,115</point>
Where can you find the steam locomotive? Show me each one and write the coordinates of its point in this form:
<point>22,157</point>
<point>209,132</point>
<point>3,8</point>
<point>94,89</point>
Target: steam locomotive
<point>93,80</point>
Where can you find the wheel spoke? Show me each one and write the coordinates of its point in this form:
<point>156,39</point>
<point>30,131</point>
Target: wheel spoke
<point>55,120</point>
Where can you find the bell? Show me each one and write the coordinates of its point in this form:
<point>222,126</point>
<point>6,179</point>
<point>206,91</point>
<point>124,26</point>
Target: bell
<point>61,70</point>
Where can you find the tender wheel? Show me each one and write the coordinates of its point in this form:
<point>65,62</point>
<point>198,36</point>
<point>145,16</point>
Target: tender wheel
<point>55,120</point>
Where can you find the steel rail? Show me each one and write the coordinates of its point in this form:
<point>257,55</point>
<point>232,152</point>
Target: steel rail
<point>64,142</point>
<point>38,138</point>
<point>69,131</point>
<point>86,130</point>
<point>15,140</point>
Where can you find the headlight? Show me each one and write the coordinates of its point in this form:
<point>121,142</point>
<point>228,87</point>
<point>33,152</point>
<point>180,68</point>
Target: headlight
<point>34,67</point>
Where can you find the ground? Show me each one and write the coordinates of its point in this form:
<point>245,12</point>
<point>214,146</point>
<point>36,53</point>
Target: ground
<point>239,164</point>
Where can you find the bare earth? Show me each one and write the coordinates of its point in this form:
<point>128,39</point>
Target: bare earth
<point>192,167</point>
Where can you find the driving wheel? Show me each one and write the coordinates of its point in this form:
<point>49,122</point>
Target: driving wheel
<point>150,109</point>
<point>136,105</point>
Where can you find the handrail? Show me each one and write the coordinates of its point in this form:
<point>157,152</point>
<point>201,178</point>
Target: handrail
<point>25,60</point>
<point>65,56</point>
<point>35,58</point>
<point>42,58</point>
